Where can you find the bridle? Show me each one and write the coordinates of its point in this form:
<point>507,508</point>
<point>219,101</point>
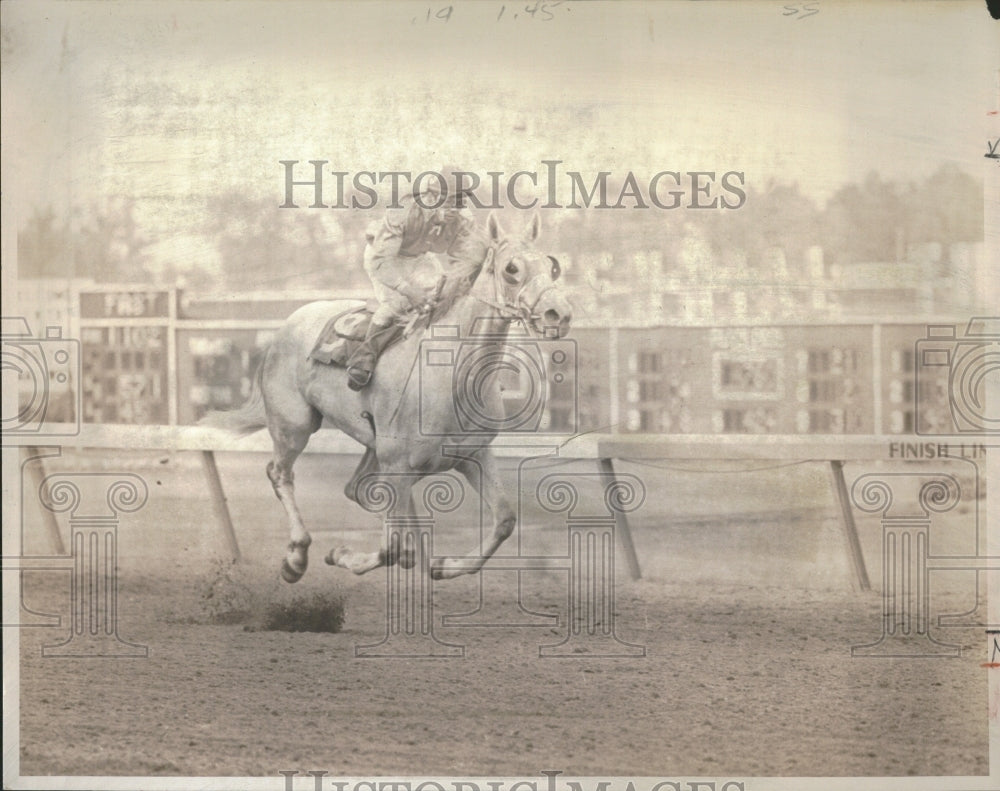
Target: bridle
<point>516,309</point>
<point>508,310</point>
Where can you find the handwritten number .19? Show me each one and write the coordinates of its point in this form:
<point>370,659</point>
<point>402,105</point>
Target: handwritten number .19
<point>442,15</point>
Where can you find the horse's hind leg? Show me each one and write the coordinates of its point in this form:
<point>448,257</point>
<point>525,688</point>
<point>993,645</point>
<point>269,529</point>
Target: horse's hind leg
<point>375,491</point>
<point>289,441</point>
<point>358,489</point>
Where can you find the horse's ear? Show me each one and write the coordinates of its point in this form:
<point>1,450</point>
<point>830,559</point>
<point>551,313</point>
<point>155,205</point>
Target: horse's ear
<point>534,229</point>
<point>493,228</point>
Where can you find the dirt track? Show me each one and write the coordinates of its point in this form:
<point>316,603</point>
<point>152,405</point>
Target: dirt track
<point>747,619</point>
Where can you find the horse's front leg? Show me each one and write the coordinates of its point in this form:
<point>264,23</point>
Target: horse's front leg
<point>480,468</point>
<point>371,491</point>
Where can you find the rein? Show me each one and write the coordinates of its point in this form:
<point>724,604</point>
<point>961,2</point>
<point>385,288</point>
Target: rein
<point>508,310</point>
<point>431,315</point>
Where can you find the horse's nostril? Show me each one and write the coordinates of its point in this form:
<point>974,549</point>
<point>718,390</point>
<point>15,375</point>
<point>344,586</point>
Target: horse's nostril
<point>551,316</point>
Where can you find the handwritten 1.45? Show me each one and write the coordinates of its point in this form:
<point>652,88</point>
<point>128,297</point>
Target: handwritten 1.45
<point>543,12</point>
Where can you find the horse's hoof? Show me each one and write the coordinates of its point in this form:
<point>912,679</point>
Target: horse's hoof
<point>334,555</point>
<point>288,574</point>
<point>407,559</point>
<point>437,569</point>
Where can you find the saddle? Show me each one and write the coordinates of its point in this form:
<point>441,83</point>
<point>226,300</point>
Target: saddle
<point>344,333</point>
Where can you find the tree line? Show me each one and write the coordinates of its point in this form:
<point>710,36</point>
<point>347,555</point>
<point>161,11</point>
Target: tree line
<point>256,246</point>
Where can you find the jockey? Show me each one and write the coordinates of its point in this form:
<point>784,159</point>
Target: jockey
<point>428,222</point>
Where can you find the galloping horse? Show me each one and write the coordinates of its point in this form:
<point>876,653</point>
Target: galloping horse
<point>403,422</point>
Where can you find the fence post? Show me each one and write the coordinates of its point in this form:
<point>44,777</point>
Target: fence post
<point>219,504</point>
<point>621,522</point>
<point>850,527</point>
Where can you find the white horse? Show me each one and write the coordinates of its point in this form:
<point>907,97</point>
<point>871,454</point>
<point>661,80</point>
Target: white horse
<point>401,419</point>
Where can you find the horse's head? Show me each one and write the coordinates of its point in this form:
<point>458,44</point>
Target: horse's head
<point>524,280</point>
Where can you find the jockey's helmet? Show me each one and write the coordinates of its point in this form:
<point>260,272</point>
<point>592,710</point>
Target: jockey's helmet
<point>449,181</point>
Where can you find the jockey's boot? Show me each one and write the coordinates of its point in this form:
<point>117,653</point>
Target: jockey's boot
<point>362,362</point>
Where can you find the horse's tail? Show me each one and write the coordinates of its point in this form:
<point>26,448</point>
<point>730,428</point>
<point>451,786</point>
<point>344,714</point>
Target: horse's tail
<point>246,419</point>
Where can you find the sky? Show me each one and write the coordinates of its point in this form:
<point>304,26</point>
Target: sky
<point>175,104</point>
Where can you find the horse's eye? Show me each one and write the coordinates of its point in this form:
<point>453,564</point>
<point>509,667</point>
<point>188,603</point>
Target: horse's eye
<point>511,269</point>
<point>556,269</point>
